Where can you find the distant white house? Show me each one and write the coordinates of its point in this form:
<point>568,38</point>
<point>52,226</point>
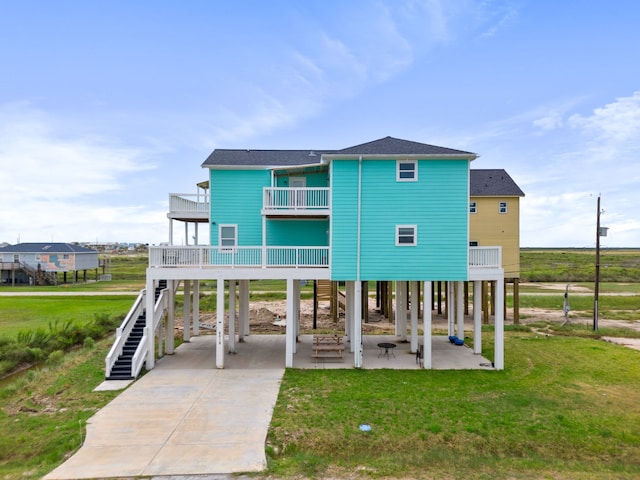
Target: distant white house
<point>40,263</point>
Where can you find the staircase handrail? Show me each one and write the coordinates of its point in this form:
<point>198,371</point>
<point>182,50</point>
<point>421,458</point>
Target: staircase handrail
<point>162,304</point>
<point>123,331</point>
<point>140,356</point>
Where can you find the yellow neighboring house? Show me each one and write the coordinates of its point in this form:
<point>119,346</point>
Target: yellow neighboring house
<point>494,215</point>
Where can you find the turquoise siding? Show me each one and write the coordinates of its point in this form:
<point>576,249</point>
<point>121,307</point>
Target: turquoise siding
<point>314,178</point>
<point>304,233</point>
<point>344,219</point>
<point>437,204</point>
<point>236,198</point>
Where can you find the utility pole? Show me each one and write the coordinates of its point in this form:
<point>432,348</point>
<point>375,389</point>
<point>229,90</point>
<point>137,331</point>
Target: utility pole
<point>596,290</point>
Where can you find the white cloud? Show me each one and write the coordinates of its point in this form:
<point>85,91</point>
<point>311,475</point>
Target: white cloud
<point>52,181</point>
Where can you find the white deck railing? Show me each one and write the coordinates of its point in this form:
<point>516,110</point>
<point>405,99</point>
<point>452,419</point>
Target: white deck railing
<point>277,257</point>
<point>303,198</point>
<point>239,257</point>
<point>485,257</point>
<point>189,203</point>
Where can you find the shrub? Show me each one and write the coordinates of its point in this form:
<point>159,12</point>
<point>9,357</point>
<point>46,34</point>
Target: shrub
<point>55,357</point>
<point>89,343</point>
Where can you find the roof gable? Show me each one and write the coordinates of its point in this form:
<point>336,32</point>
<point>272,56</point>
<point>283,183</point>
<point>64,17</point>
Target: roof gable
<point>493,183</point>
<point>396,146</point>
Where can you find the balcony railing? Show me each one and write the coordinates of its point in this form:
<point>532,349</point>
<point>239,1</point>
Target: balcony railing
<point>485,257</point>
<point>239,257</point>
<point>297,201</point>
<point>189,206</point>
<point>276,257</point>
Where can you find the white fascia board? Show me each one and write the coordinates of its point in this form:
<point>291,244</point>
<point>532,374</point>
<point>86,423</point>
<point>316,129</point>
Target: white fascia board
<point>392,156</point>
<point>263,167</point>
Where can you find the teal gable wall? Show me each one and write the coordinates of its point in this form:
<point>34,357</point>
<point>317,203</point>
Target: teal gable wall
<point>304,233</point>
<point>236,198</point>
<point>437,203</point>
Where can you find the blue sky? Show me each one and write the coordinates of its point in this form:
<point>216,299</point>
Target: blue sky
<point>108,106</point>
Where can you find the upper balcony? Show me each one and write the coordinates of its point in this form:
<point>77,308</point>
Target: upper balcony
<point>296,202</point>
<point>189,207</point>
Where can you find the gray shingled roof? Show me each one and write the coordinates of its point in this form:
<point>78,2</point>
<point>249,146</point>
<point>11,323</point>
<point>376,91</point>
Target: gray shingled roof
<point>285,158</point>
<point>266,158</point>
<point>396,146</point>
<point>493,183</point>
<point>46,248</point>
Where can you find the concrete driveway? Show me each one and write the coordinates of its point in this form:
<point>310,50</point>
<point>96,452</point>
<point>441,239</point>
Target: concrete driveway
<point>185,421</point>
<point>186,417</point>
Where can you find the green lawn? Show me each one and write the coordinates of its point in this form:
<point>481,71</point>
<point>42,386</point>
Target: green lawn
<point>565,407</point>
<point>30,313</point>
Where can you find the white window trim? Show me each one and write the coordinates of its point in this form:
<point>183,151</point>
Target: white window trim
<point>415,236</point>
<point>235,237</point>
<point>473,207</point>
<point>415,170</point>
<point>500,208</point>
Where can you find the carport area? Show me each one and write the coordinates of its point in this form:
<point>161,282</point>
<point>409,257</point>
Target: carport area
<point>268,351</point>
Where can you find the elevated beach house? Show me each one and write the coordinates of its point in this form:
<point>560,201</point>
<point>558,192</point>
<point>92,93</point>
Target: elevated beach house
<point>40,263</point>
<point>387,210</point>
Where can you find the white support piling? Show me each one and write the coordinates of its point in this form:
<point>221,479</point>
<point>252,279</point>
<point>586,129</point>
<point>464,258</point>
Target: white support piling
<point>243,311</point>
<point>356,339</point>
<point>477,317</point>
<point>499,326</point>
<point>196,307</point>
<point>290,334</point>
<point>232,316</point>
<point>220,324</point>
<point>186,327</point>
<point>426,353</point>
<point>415,308</point>
<point>459,286</point>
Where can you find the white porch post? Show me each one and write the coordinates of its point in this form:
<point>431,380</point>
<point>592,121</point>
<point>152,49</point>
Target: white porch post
<point>232,316</point>
<point>220,324</point>
<point>356,339</point>
<point>348,313</point>
<point>186,233</point>
<point>196,307</point>
<point>401,310</point>
<point>148,329</point>
<point>477,317</point>
<point>460,308</point>
<point>415,307</point>
<point>186,327</point>
<point>450,308</point>
<point>296,313</point>
<point>426,358</point>
<point>171,316</point>
<point>290,339</point>
<point>499,326</point>
<point>171,231</point>
<point>243,310</point>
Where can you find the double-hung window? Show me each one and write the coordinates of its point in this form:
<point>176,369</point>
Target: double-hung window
<point>406,171</point>
<point>228,236</point>
<point>502,208</point>
<point>406,235</point>
<point>473,207</point>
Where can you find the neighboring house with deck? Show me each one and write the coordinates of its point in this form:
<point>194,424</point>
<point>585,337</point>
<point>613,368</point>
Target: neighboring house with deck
<point>387,210</point>
<point>40,263</point>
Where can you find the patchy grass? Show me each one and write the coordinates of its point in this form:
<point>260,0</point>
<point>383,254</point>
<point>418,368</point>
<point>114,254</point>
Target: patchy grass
<point>44,414</point>
<point>565,407</point>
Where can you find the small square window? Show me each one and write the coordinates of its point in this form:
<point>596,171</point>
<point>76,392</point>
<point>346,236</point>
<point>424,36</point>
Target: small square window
<point>406,171</point>
<point>406,235</point>
<point>473,207</point>
<point>228,236</point>
<point>503,207</point>
<point>473,243</point>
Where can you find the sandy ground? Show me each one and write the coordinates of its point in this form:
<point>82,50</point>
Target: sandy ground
<point>268,317</point>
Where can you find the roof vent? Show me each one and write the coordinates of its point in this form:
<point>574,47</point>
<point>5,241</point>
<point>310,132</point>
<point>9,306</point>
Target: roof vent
<point>312,153</point>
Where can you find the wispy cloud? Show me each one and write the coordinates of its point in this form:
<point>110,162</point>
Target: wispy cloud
<point>54,179</point>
